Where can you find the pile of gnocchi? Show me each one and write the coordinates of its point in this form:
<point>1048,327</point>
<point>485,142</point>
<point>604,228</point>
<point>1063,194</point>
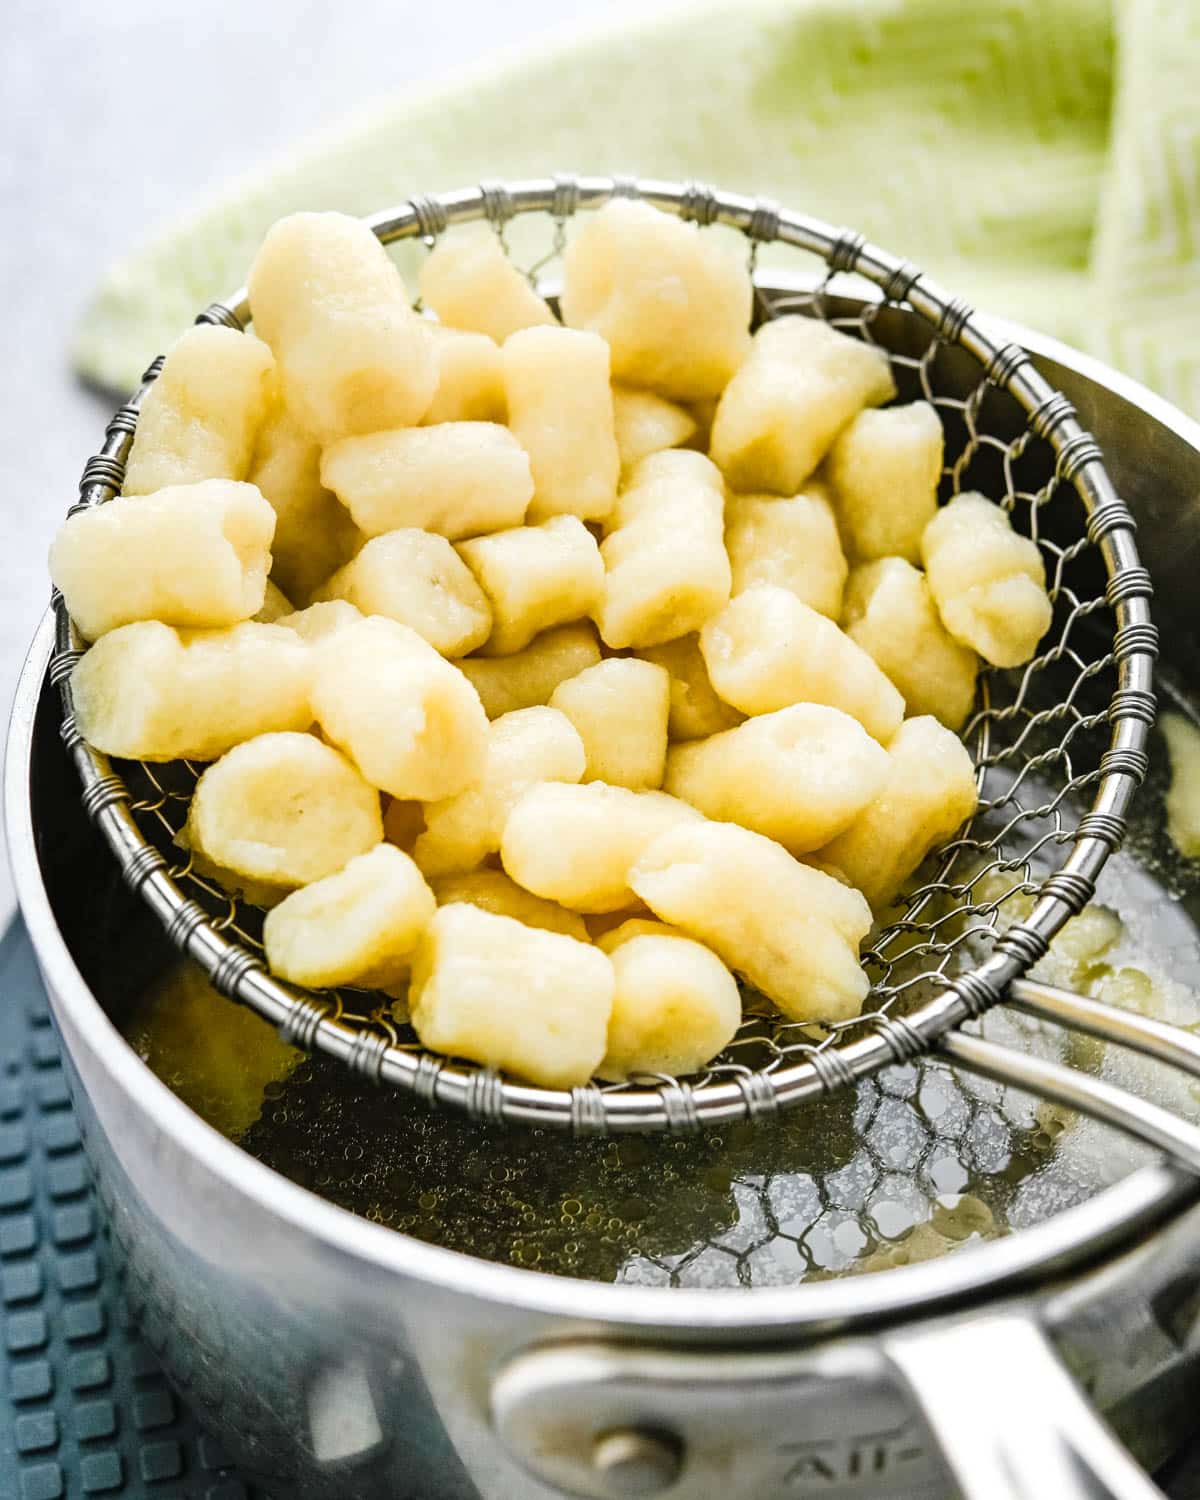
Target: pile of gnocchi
<point>549,672</point>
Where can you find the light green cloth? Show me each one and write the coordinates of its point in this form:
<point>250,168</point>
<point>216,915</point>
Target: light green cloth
<point>1041,157</point>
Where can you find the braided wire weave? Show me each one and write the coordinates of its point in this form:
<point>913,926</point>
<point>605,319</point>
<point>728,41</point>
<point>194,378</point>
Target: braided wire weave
<point>1059,746</point>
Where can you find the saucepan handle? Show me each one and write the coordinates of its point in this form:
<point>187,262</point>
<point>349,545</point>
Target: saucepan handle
<point>1009,1421</point>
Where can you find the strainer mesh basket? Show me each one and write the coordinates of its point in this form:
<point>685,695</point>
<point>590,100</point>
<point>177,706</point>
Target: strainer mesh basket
<point>1059,746</point>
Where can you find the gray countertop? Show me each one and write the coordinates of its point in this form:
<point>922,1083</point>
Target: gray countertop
<point>114,118</point>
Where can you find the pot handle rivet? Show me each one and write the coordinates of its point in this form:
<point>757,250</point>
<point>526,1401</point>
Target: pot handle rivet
<point>635,1461</point>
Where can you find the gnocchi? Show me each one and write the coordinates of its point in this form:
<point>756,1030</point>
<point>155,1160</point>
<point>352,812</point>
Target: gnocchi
<point>511,996</point>
<point>190,555</point>
<point>534,577</point>
<point>790,543</point>
<point>472,285</point>
<point>884,468</point>
<point>529,677</point>
<point>797,940</point>
<point>767,650</point>
<point>492,890</point>
<point>890,613</point>
<point>646,423</point>
<point>988,582</point>
<point>417,578</point>
<point>696,711</point>
<point>358,926</point>
<point>352,355</point>
<point>619,708</point>
<point>470,384</point>
<point>320,620</point>
<point>800,775</point>
<point>200,418</point>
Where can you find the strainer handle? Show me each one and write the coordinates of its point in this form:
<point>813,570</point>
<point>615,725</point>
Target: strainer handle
<point>1007,1418</point>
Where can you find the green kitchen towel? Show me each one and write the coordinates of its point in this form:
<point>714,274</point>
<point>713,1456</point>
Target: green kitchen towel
<point>1041,157</point>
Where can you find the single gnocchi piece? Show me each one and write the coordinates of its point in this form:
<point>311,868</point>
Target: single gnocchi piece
<point>459,479</point>
<point>696,711</point>
<point>492,890</point>
<point>406,717</point>
<point>1183,796</point>
<point>285,809</point>
<point>646,423</point>
<point>666,568</point>
<point>620,708</point>
<point>470,384</point>
<point>416,577</point>
<point>802,384</point>
<point>191,555</point>
<point>560,408</point>
<point>884,468</point>
<point>988,582</point>
<point>768,650</point>
<point>314,534</point>
<point>275,605</point>
<point>791,543</point>
<point>200,418</point>
<point>800,775</point>
<point>792,931</point>
<point>675,1007</point>
<point>529,677</point>
<point>320,620</point>
<point>673,301</point>
<point>523,748</point>
<point>890,613</point>
<point>351,353</point>
<point>358,926</point>
<point>533,1003</point>
<point>535,577</point>
<point>576,844</point>
<point>472,285</point>
<point>148,692</point>
<point>928,793</point>
<point>623,929</point>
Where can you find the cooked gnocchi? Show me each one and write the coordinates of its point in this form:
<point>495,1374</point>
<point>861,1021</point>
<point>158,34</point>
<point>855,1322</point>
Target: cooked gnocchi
<point>551,673</point>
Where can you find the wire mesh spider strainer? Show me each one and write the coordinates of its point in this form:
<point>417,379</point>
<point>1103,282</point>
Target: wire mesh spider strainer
<point>1059,747</point>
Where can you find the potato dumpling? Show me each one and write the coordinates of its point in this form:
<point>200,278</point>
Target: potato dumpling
<point>470,384</point>
<point>275,605</point>
<point>314,534</point>
<point>201,416</point>
<point>791,543</point>
<point>620,709</point>
<point>792,931</point>
<point>283,808</point>
<point>885,467</point>
<point>192,555</point>
<point>890,613</point>
<point>148,692</point>
<point>575,844</point>
<point>803,382</point>
<point>321,620</point>
<point>767,650</point>
<point>560,408</point>
<point>1183,797</point>
<point>351,353</point>
<point>696,711</point>
<point>471,284</point>
<point>529,677</point>
<point>646,423</point>
<point>988,582</point>
<point>675,1006</point>
<point>666,568</point>
<point>510,996</point>
<point>523,748</point>
<point>672,300</point>
<point>403,822</point>
<point>535,577</point>
<point>800,775</point>
<point>357,926</point>
<point>408,719</point>
<point>458,479</point>
<point>626,928</point>
<point>416,577</point>
<point>492,890</point>
<point>927,794</point>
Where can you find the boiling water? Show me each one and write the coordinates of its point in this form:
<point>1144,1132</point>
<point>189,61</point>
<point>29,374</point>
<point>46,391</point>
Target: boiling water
<point>915,1163</point>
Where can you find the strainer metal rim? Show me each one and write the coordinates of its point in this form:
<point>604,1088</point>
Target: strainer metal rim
<point>482,1092</point>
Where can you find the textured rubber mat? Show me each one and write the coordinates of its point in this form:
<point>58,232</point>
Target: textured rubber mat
<point>84,1409</point>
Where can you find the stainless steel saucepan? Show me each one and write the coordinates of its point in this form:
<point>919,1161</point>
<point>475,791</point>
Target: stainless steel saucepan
<point>339,1358</point>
